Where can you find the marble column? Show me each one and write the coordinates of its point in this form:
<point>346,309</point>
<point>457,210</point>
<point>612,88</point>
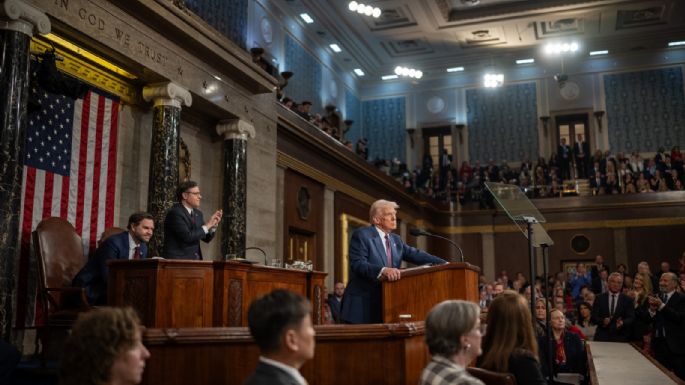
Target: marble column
<point>236,132</point>
<point>18,22</point>
<point>166,134</point>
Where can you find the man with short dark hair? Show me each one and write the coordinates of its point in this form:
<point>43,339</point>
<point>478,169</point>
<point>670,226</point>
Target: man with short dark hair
<point>303,110</point>
<point>130,244</point>
<point>335,301</point>
<point>184,225</point>
<point>281,326</point>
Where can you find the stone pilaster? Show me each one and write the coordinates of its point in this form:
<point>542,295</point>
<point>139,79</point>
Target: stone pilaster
<point>166,132</point>
<point>236,133</point>
<point>18,22</point>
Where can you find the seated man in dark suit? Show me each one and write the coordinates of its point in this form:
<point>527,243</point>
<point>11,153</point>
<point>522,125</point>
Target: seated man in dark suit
<point>375,255</point>
<point>613,312</point>
<point>184,225</point>
<point>281,326</point>
<point>129,244</point>
<point>335,301</point>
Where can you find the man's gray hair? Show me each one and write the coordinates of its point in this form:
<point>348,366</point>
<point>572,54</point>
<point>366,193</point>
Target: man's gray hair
<point>378,205</point>
<point>616,274</point>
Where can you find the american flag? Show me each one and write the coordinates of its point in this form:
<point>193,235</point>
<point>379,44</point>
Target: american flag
<point>69,172</point>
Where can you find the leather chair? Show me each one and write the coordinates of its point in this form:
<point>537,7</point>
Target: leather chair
<point>109,232</point>
<point>59,254</point>
<point>492,378</point>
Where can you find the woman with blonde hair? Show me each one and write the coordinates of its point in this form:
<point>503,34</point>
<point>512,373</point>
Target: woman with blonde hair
<point>510,344</point>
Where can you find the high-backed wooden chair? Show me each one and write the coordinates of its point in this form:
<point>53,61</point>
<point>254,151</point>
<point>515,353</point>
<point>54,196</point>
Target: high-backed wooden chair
<point>109,232</point>
<point>59,254</point>
<point>492,378</point>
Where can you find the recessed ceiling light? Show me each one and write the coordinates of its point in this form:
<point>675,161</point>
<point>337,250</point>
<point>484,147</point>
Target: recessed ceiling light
<point>602,52</point>
<point>525,61</point>
<point>335,47</point>
<point>359,71</point>
<point>455,69</point>
<point>389,77</point>
<point>307,19</point>
<point>676,43</point>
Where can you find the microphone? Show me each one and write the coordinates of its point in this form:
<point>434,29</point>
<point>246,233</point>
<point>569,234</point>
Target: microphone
<point>257,248</point>
<point>420,232</point>
<point>233,257</point>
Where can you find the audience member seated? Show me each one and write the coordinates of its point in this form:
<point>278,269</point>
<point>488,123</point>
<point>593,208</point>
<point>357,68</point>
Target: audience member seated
<point>454,340</point>
<point>104,348</point>
<point>509,344</point>
<point>281,325</point>
<point>579,278</point>
<point>335,300</point>
<point>564,348</point>
<point>584,321</point>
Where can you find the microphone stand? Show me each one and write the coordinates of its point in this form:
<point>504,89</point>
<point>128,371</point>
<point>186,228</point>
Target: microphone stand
<point>426,233</point>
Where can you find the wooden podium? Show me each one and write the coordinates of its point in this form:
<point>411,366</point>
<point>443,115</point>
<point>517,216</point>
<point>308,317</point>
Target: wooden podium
<point>172,293</point>
<point>421,288</point>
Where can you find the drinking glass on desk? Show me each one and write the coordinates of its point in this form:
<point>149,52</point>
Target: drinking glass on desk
<point>276,262</point>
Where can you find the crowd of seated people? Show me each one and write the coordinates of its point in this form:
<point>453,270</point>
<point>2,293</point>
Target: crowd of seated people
<point>594,303</point>
<point>606,173</point>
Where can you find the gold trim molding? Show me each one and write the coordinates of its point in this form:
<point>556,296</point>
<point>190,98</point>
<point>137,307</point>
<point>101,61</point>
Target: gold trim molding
<point>75,65</point>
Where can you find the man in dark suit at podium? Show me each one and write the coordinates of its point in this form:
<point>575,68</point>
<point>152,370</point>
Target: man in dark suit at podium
<point>129,244</point>
<point>375,255</point>
<point>184,225</point>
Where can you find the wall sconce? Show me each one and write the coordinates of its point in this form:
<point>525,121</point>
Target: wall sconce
<point>410,132</point>
<point>598,116</point>
<point>286,75</point>
<point>460,130</point>
<point>545,121</point>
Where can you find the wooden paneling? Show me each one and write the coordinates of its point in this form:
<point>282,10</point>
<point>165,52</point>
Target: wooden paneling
<point>392,354</point>
<point>601,242</point>
<point>422,288</point>
<point>303,217</point>
<point>655,245</point>
<point>471,245</point>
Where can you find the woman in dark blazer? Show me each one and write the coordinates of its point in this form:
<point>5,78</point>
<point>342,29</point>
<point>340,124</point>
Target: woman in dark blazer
<point>509,345</point>
<point>564,348</point>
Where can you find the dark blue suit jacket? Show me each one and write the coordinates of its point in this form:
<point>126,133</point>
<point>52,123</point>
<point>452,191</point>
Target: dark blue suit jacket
<point>183,232</point>
<point>93,276</point>
<point>625,309</point>
<point>362,301</point>
<point>266,374</point>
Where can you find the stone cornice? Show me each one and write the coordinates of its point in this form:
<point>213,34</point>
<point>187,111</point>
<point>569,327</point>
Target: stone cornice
<point>167,94</point>
<point>235,129</point>
<point>16,15</point>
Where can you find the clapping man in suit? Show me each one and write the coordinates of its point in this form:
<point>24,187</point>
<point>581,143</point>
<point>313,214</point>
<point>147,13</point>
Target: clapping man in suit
<point>375,255</point>
<point>184,225</point>
<point>581,152</point>
<point>281,326</point>
<point>130,244</point>
<point>666,312</point>
<point>613,312</point>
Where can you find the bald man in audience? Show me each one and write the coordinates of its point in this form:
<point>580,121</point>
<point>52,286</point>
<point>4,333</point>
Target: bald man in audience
<point>281,326</point>
<point>666,313</point>
<point>375,255</point>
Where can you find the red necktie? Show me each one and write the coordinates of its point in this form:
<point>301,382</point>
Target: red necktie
<point>388,250</point>
<point>136,252</point>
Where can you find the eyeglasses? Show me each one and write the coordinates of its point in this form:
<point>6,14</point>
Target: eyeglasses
<point>193,192</point>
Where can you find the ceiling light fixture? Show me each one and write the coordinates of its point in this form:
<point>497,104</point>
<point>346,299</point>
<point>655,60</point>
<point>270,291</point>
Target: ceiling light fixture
<point>359,71</point>
<point>389,77</point>
<point>595,53</point>
<point>364,9</point>
<point>336,48</point>
<point>493,80</point>
<point>561,48</point>
<point>307,19</point>
<point>676,43</point>
<point>455,69</point>
<point>408,72</point>
<point>525,61</point>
